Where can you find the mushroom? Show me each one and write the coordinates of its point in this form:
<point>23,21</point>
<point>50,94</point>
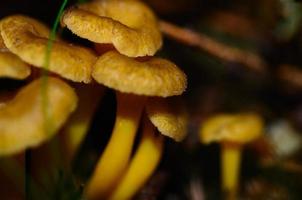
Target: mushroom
<point>170,118</point>
<point>28,38</point>
<point>233,131</point>
<point>142,165</point>
<point>129,25</point>
<point>10,65</point>
<point>24,112</point>
<point>13,67</point>
<point>134,81</point>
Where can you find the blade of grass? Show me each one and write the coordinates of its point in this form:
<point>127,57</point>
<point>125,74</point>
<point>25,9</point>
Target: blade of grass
<point>47,120</point>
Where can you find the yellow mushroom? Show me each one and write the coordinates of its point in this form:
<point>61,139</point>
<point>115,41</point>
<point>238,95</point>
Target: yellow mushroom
<point>28,38</point>
<point>144,162</point>
<point>129,25</point>
<point>13,67</point>
<point>10,65</point>
<point>168,115</point>
<point>22,120</point>
<point>156,77</point>
<point>232,131</point>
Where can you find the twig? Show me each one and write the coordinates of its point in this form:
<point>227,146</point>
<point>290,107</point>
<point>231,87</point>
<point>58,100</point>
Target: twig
<point>290,74</point>
<point>222,51</point>
<point>287,165</point>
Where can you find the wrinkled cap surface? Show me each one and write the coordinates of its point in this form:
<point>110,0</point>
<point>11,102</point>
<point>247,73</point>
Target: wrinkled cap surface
<point>169,116</point>
<point>155,77</point>
<point>129,25</point>
<point>28,39</point>
<point>22,122</point>
<point>240,128</point>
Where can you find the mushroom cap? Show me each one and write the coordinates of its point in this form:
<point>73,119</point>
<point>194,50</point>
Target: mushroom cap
<point>22,120</point>
<point>169,116</point>
<point>155,77</point>
<point>239,128</point>
<point>28,39</point>
<point>129,25</point>
<point>12,66</point>
<point>2,45</point>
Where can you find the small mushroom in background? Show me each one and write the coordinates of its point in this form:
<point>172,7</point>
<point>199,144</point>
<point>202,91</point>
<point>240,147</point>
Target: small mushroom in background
<point>232,131</point>
<point>130,26</point>
<point>135,81</point>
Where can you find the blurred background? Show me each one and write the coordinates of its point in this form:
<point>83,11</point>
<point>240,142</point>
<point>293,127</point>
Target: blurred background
<point>269,83</point>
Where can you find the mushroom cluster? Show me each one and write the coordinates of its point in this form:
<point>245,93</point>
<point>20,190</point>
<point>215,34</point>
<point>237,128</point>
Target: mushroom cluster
<point>126,36</point>
<point>22,49</point>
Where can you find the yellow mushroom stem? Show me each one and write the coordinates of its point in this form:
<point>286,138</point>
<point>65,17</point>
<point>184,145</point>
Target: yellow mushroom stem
<point>77,126</point>
<point>114,160</point>
<point>230,168</point>
<point>143,164</point>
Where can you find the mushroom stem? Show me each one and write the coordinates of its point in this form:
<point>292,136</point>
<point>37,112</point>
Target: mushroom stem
<point>230,159</point>
<point>115,158</point>
<point>143,164</point>
<point>77,126</point>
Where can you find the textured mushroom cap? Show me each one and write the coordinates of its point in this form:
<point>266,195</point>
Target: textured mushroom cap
<point>155,77</point>
<point>12,66</point>
<point>28,38</point>
<point>129,25</point>
<point>240,128</point>
<point>169,116</point>
<point>22,120</point>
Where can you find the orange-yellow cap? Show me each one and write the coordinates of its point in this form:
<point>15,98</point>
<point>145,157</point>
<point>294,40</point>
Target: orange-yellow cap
<point>155,77</point>
<point>169,116</point>
<point>238,128</point>
<point>129,25</point>
<point>22,121</point>
<point>28,39</point>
